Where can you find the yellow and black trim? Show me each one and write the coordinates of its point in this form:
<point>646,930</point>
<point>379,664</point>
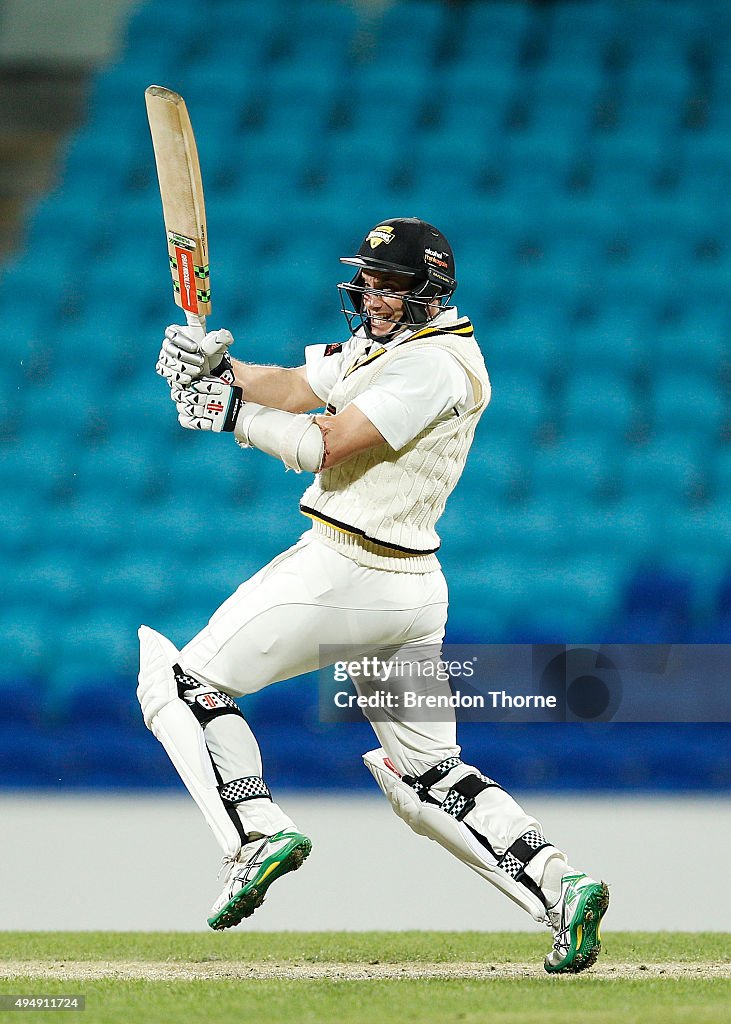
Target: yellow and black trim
<point>463,328</point>
<point>364,360</point>
<point>353,531</point>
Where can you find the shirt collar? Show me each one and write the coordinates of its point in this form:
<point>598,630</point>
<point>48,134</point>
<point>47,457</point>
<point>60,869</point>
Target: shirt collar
<point>449,315</point>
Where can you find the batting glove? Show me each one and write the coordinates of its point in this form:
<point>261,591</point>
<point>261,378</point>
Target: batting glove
<point>187,355</point>
<point>208,404</point>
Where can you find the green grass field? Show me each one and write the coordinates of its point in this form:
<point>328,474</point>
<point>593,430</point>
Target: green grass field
<point>323,977</point>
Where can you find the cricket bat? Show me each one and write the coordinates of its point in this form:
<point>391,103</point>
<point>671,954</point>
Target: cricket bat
<point>183,208</point>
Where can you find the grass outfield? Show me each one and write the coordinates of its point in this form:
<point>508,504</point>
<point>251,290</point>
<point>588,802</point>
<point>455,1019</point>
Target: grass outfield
<point>325,977</point>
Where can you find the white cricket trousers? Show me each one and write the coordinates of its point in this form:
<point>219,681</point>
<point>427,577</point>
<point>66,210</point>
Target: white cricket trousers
<point>274,625</point>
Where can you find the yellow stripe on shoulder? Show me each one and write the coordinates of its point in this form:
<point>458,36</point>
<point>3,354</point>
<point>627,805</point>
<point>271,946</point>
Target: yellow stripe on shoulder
<point>364,360</point>
<point>462,327</point>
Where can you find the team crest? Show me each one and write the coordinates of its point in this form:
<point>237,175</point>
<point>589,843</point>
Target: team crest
<point>383,233</point>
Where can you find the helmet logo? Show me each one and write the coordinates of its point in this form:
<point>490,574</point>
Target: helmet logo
<point>434,258</point>
<point>383,233</point>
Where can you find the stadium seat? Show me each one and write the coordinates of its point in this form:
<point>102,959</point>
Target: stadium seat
<point>689,403</point>
<point>519,405</point>
<point>669,466</point>
<point>657,606</point>
<point>600,404</point>
<point>578,470</point>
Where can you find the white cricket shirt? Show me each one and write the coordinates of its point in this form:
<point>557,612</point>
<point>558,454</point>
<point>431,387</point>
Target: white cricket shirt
<point>413,391</point>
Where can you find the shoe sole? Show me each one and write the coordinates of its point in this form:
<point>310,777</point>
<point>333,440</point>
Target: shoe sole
<point>246,901</point>
<point>585,932</point>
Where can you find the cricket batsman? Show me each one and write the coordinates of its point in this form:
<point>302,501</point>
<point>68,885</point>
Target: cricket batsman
<point>402,397</point>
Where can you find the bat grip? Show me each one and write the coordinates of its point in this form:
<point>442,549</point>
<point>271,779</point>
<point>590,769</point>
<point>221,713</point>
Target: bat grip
<point>199,322</point>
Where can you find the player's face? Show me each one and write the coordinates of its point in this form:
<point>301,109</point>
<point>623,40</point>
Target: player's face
<point>384,311</point>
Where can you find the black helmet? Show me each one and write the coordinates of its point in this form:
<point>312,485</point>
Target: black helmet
<point>405,246</point>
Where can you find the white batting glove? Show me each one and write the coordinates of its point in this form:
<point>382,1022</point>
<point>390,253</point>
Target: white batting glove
<point>208,404</point>
<point>187,355</point>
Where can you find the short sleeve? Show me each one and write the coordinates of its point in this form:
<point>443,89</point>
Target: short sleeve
<point>323,365</point>
<point>414,390</point>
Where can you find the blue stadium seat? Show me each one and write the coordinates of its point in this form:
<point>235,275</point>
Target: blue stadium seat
<point>30,284</point>
<point>155,417</point>
<point>526,337</point>
<point>222,478</point>
<point>626,166</point>
<point>585,19</point>
<point>124,469</point>
<point>475,94</point>
<point>116,97</point>
<point>578,470</point>
<point>706,166</point>
<point>720,476</point>
<point>590,531</point>
<point>696,341</point>
<point>518,405</point>
<point>473,616</point>
<point>101,641</point>
<point>670,466</point>
<point>498,468</point>
<point>25,631</point>
<point>657,606</point>
<point>53,578</point>
<point>563,96</point>
<point>613,343</point>
<point>28,757</point>
<point>18,522</point>
<point>38,464</point>
<point>689,403</point>
<point>656,28</point>
<point>494,33</point>
<point>97,163</point>
<point>92,350</point>
<point>139,582</point>
<point>533,163</point>
<point>700,546</point>
<point>92,527</point>
<point>405,33</point>
<point>598,403</point>
<point>71,409</point>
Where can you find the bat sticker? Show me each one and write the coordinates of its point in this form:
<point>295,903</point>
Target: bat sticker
<point>186,277</point>
<point>181,241</point>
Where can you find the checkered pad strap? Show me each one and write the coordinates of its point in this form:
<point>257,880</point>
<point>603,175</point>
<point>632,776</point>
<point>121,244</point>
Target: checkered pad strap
<point>522,851</point>
<point>249,788</point>
<point>206,702</point>
<point>461,798</point>
<point>421,784</point>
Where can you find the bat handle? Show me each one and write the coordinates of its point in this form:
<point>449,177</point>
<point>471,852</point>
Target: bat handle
<point>197,322</point>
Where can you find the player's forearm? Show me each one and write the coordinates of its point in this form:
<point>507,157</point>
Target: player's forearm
<point>278,387</point>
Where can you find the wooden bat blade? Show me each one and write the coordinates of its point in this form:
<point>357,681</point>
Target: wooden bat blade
<point>181,191</point>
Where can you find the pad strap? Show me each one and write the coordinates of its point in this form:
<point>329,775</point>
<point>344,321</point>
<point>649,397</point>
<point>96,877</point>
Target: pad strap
<point>461,798</point>
<point>251,787</point>
<point>421,784</point>
<point>513,862</point>
<point>205,702</point>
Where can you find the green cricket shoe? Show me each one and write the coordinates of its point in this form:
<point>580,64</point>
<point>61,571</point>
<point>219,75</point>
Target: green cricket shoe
<point>252,872</point>
<point>576,921</point>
